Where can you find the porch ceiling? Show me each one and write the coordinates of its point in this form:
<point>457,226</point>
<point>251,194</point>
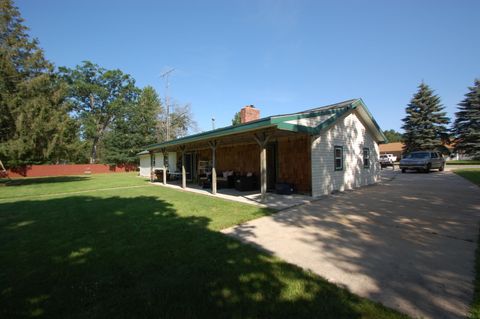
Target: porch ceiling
<point>232,140</point>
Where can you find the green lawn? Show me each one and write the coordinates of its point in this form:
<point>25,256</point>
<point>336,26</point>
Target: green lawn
<point>146,252</point>
<point>469,162</point>
<point>473,175</point>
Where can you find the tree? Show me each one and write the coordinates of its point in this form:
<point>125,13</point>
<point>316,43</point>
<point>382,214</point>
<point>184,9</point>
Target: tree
<point>98,97</point>
<point>236,119</point>
<point>34,113</point>
<point>425,123</point>
<point>180,123</point>
<point>393,136</point>
<point>133,130</point>
<point>466,127</point>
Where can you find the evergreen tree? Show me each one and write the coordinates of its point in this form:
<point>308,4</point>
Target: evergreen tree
<point>135,129</point>
<point>33,111</point>
<point>236,119</point>
<point>466,127</point>
<point>425,123</point>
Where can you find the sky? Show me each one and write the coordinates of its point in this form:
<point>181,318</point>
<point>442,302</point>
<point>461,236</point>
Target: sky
<point>281,56</point>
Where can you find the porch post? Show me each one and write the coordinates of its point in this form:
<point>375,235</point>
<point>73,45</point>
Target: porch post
<point>164,170</point>
<point>184,174</point>
<point>213,146</point>
<point>151,166</point>
<point>262,140</point>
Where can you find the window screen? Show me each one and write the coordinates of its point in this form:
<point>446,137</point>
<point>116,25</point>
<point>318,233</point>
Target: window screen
<point>366,157</point>
<point>338,155</point>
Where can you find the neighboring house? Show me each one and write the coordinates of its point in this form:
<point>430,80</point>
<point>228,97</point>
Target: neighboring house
<point>394,148</point>
<point>319,151</point>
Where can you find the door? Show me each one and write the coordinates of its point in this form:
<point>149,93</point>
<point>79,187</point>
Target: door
<point>271,165</point>
<point>189,166</point>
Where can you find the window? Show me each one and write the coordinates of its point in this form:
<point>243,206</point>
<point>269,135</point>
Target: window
<point>338,154</point>
<point>366,157</point>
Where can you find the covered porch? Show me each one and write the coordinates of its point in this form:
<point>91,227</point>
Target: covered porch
<point>250,165</point>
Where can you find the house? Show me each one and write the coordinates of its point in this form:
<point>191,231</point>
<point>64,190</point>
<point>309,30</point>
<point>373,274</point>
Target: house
<point>157,160</point>
<point>396,148</point>
<point>318,151</point>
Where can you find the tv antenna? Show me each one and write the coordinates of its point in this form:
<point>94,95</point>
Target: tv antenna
<point>165,75</point>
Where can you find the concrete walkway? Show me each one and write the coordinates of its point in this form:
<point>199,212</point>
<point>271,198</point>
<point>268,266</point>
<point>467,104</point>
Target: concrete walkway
<point>408,242</point>
<point>272,200</point>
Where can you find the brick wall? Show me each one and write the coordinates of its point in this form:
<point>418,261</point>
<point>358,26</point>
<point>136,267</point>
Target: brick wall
<point>70,169</point>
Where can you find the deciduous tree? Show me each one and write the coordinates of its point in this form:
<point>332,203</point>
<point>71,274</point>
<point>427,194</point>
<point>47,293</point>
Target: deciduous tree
<point>98,97</point>
<point>393,136</point>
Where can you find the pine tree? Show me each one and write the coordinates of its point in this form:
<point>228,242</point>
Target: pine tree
<point>466,127</point>
<point>135,129</point>
<point>34,114</point>
<point>425,124</point>
<point>236,119</point>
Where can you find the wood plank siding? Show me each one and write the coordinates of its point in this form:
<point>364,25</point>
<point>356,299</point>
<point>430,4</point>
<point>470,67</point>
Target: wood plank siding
<point>293,158</point>
<point>294,162</point>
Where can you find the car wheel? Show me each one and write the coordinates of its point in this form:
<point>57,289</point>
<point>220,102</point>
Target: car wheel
<point>403,170</point>
<point>442,168</point>
<point>427,170</point>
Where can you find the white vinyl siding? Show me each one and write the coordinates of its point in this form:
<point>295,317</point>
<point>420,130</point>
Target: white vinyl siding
<point>350,133</point>
<point>145,165</point>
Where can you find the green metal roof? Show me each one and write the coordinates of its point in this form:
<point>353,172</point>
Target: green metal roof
<point>311,121</point>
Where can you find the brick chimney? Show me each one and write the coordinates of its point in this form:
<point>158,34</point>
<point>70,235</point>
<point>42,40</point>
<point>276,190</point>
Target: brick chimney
<point>249,113</point>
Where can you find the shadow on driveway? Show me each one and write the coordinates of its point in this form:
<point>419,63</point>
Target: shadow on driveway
<point>408,242</point>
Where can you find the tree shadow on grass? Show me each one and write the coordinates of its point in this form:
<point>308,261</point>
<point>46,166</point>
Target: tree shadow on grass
<point>89,257</point>
<point>46,180</point>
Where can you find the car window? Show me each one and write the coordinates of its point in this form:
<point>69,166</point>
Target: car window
<point>434,155</point>
<point>420,155</point>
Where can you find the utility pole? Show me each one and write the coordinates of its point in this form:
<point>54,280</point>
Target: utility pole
<point>165,75</point>
<point>213,123</point>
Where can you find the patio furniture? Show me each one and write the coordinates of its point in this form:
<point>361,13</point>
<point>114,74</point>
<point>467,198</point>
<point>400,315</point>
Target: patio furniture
<point>246,183</point>
<point>284,188</point>
<point>224,180</point>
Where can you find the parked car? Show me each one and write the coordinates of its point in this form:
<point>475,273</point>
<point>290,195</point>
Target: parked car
<point>423,161</point>
<point>387,160</point>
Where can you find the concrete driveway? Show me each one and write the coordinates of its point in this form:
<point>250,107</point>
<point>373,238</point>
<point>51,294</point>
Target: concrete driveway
<point>408,243</point>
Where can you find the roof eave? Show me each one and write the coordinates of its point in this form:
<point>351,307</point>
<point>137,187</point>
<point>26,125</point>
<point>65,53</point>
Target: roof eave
<point>213,134</point>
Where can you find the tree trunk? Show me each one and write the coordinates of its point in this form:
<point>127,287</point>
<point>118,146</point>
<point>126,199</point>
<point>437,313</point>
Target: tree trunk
<point>93,155</point>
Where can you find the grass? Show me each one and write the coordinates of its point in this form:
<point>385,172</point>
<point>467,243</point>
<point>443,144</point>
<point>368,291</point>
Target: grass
<point>469,162</point>
<point>146,252</point>
<point>473,175</point>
